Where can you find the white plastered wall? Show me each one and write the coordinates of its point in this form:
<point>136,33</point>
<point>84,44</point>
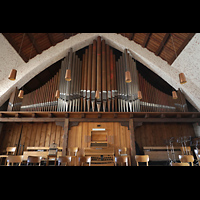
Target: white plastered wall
<point>188,62</point>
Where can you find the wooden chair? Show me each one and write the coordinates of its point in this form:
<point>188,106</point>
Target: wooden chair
<point>142,158</point>
<point>66,160</point>
<point>10,150</point>
<point>186,158</point>
<point>14,159</point>
<point>83,160</point>
<point>183,150</point>
<point>180,164</point>
<point>34,160</point>
<point>122,150</point>
<point>73,151</point>
<point>120,160</point>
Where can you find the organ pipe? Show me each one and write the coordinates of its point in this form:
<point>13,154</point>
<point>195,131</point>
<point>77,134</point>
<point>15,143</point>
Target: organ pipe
<point>98,84</point>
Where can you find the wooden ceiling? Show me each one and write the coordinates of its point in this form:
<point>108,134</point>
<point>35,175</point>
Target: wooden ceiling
<point>28,45</point>
<point>165,45</point>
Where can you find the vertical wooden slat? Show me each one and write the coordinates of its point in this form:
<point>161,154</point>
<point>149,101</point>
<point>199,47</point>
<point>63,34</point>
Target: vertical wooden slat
<point>43,134</point>
<point>48,134</point>
<point>33,135</point>
<point>132,142</point>
<point>65,138</point>
<point>38,134</point>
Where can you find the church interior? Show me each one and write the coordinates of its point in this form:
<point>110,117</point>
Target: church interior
<point>99,99</point>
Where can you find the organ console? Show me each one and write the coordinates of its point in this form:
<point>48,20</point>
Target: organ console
<point>99,72</point>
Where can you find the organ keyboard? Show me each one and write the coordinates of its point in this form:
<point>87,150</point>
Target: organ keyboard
<point>100,156</point>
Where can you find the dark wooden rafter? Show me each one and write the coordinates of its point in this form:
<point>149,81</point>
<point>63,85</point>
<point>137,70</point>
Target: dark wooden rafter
<point>162,44</point>
<point>33,40</point>
<point>51,39</point>
<point>146,40</point>
<point>181,47</point>
<point>15,46</point>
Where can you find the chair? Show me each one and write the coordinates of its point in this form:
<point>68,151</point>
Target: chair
<point>196,151</point>
<point>66,160</point>
<point>51,157</point>
<point>186,158</point>
<point>183,150</point>
<point>142,158</point>
<point>73,151</point>
<point>120,160</point>
<point>83,160</point>
<point>34,160</point>
<point>180,164</point>
<point>10,150</point>
<point>14,159</point>
<point>122,150</point>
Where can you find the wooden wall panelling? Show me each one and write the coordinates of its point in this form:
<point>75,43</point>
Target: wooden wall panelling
<point>28,135</point>
<point>116,137</point>
<point>150,134</point>
<point>53,133</point>
<point>43,134</point>
<point>57,139</point>
<point>33,135</point>
<point>48,133</point>
<point>61,137</point>
<point>78,139</point>
<point>38,134</point>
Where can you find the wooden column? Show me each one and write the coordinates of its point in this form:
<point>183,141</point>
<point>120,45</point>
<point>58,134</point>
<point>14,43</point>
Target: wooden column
<point>65,136</point>
<point>132,141</point>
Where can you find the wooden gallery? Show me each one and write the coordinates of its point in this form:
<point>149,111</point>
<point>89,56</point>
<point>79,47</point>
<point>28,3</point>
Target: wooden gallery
<point>113,99</point>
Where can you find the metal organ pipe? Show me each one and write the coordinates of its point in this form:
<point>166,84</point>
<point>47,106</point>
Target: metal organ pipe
<point>99,72</point>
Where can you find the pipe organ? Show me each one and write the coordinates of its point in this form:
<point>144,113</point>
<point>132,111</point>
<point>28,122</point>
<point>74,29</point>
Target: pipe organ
<point>98,85</point>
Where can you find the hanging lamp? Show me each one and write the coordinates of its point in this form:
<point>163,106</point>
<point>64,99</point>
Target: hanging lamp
<point>174,95</point>
<point>13,72</point>
<point>139,95</point>
<point>181,75</point>
<point>97,94</point>
<point>12,75</point>
<point>57,95</point>
<point>128,77</point>
<point>21,94</point>
<point>182,78</point>
<point>127,72</point>
<point>68,75</point>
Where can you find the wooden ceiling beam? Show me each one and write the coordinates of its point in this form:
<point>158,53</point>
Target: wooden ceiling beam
<point>15,46</point>
<point>181,47</point>
<point>32,39</point>
<point>131,38</point>
<point>146,39</point>
<point>164,41</point>
<point>52,41</point>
